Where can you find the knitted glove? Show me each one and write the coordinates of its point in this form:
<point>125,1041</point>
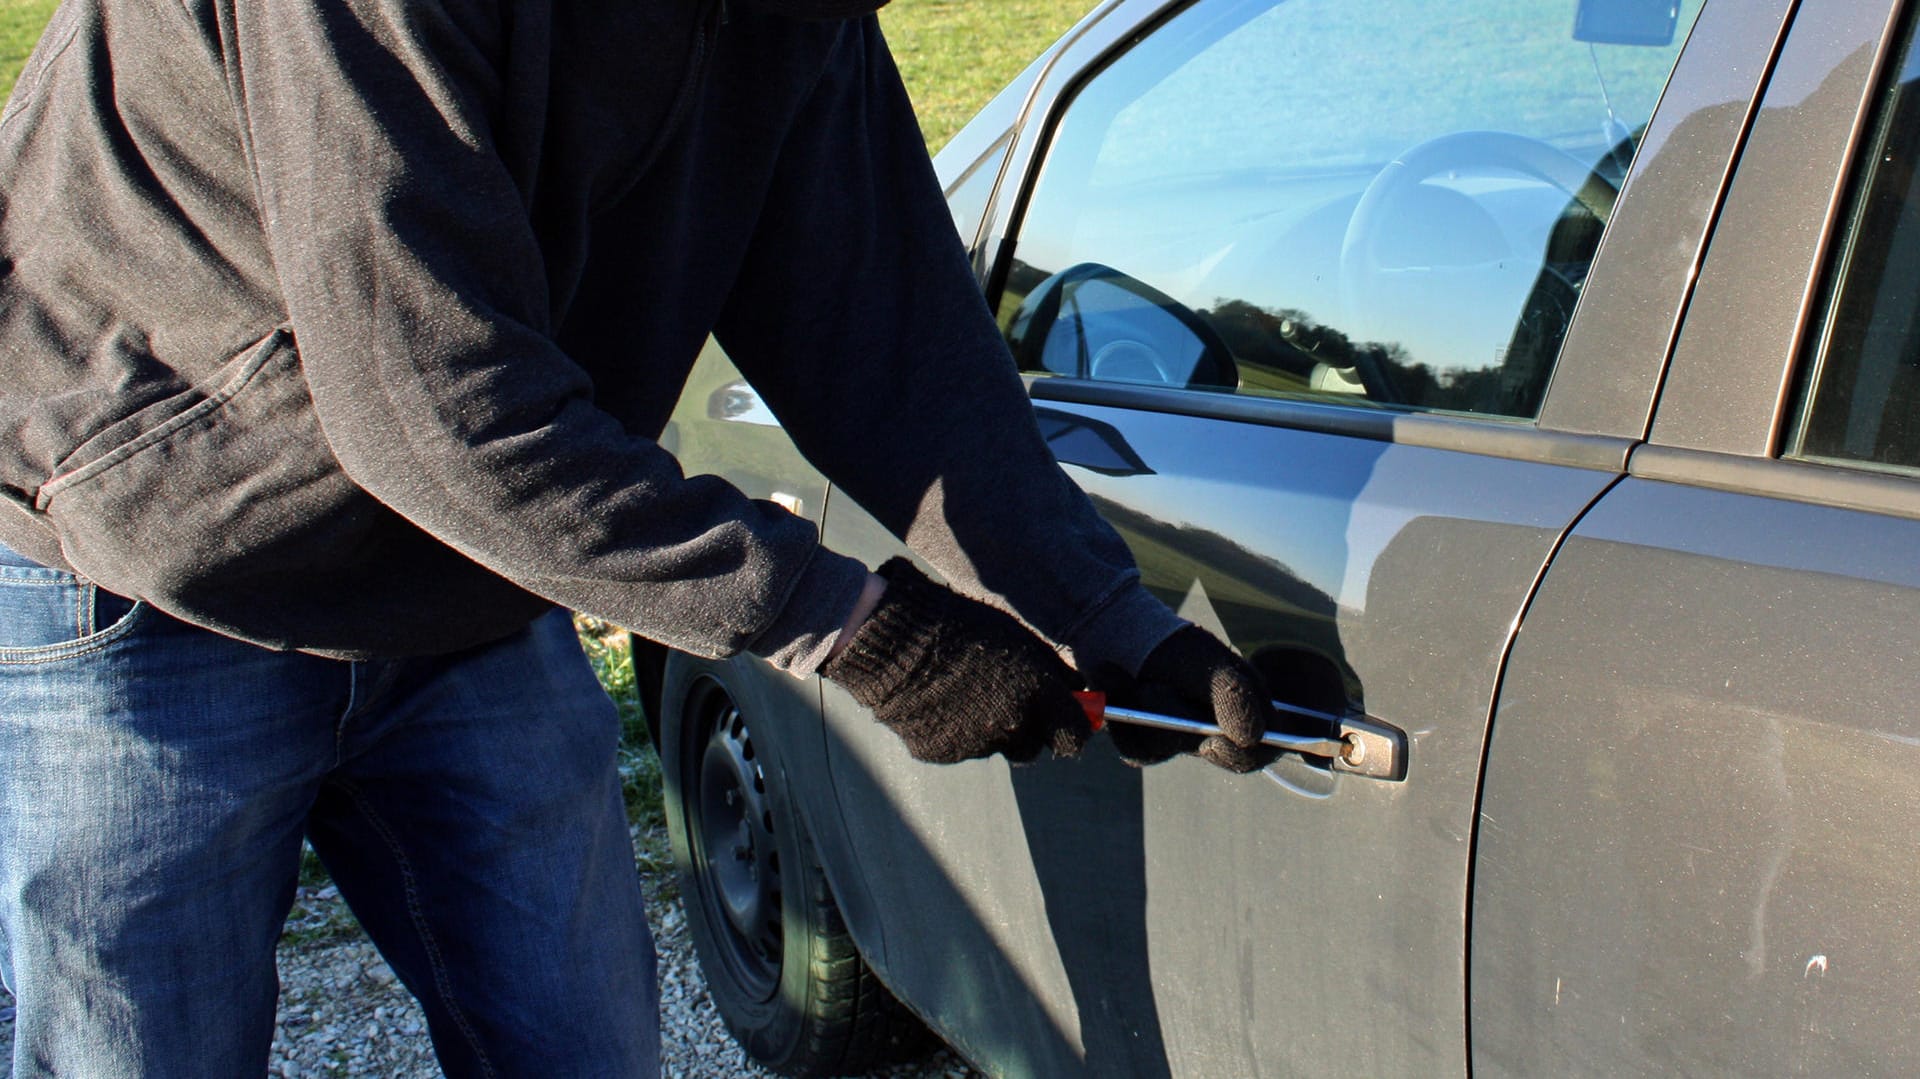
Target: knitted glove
<point>957,679</point>
<point>1192,674</point>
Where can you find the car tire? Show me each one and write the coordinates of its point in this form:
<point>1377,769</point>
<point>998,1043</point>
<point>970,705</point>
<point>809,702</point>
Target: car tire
<point>781,967</point>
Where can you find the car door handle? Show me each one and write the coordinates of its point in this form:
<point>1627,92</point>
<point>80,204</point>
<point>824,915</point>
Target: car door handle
<point>1357,745</point>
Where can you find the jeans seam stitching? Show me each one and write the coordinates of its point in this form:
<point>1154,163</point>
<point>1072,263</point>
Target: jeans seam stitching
<point>346,714</point>
<point>417,915</point>
<point>20,657</point>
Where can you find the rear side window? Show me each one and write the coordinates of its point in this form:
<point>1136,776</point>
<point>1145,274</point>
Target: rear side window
<point>1861,403</point>
<point>1388,202</point>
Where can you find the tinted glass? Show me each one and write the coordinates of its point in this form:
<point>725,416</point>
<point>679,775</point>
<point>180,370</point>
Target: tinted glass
<point>1383,201</point>
<point>1863,401</point>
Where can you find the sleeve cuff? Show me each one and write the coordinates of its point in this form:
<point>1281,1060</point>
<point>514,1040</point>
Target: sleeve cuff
<point>800,636</point>
<point>1122,630</point>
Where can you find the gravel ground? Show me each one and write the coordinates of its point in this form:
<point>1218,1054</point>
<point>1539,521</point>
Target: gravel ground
<point>342,1013</point>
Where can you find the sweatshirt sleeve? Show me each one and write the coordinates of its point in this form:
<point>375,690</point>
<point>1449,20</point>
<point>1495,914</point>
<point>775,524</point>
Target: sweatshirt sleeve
<point>885,366</point>
<point>416,290</point>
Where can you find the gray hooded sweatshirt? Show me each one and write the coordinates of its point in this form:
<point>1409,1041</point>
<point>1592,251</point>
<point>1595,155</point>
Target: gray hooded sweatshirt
<point>348,326</point>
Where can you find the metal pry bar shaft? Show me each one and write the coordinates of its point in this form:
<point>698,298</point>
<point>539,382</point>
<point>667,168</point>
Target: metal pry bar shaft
<point>1306,745</point>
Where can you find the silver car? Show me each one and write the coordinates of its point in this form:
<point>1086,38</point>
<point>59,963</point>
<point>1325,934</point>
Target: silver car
<point>1531,390</point>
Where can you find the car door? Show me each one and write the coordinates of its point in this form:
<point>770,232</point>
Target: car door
<point>1297,286</point>
<point>1700,819</point>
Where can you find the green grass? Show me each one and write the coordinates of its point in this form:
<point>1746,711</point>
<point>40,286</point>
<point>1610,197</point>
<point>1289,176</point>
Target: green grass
<point>610,650</point>
<point>956,54</point>
<point>20,23</point>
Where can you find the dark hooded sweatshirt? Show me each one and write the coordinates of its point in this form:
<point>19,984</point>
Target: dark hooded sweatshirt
<point>348,326</point>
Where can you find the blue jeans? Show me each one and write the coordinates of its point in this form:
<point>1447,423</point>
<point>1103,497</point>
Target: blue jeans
<point>155,782</point>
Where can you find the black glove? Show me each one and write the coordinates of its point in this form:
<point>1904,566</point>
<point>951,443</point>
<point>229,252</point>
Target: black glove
<point>1194,676</point>
<point>957,679</point>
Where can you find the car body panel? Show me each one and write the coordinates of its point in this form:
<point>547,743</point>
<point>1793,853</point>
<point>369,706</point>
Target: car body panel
<point>1654,886</point>
<point>1631,306</point>
<point>1698,825</point>
<point>1019,943</point>
<point>721,426</point>
<point>1733,364</point>
<point>1365,576</point>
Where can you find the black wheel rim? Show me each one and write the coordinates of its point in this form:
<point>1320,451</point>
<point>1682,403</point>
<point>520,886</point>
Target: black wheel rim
<point>736,859</point>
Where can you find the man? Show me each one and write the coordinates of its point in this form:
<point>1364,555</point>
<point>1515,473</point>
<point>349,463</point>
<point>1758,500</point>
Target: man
<point>334,338</point>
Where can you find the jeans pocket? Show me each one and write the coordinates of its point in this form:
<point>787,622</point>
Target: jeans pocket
<point>45,612</point>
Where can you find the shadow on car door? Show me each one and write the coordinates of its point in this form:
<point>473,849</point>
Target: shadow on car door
<point>1178,920</point>
<point>1206,166</point>
<point>1700,822</point>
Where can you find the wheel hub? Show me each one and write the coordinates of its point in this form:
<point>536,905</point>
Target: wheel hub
<point>741,861</point>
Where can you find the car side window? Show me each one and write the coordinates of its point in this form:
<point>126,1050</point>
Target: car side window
<point>1390,202</point>
<point>1861,401</point>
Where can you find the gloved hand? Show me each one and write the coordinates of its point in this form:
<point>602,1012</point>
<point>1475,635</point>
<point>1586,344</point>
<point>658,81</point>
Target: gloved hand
<point>1193,675</point>
<point>957,679</point>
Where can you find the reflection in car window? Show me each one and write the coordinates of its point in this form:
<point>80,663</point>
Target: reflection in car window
<point>1388,201</point>
<point>1862,403</point>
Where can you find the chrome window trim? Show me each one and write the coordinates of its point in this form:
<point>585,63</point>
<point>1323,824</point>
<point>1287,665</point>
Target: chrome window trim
<point>1480,435</point>
<point>984,134</point>
<point>1113,28</point>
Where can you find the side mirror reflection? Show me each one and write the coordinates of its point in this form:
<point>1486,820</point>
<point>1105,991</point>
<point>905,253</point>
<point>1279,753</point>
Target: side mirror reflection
<point>1092,321</point>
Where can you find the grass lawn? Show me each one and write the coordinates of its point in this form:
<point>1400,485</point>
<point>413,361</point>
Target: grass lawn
<point>956,54</point>
<point>20,23</point>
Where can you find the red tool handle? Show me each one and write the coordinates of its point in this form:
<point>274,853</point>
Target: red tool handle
<point>1094,703</point>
